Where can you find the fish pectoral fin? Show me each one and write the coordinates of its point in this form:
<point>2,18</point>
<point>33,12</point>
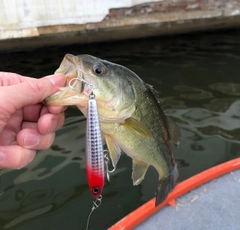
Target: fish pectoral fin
<point>138,171</point>
<point>174,131</point>
<point>137,127</point>
<point>114,150</point>
<point>166,185</point>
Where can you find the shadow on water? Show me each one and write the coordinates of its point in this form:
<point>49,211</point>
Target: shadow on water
<point>197,77</point>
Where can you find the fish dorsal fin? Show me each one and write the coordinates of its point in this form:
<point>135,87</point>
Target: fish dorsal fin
<point>139,170</point>
<point>137,127</point>
<point>155,93</point>
<point>114,150</point>
<point>174,131</point>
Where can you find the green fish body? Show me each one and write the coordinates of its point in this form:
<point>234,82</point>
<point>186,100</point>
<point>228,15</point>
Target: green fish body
<point>131,117</point>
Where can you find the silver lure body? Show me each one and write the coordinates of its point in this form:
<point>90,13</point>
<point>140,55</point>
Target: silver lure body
<point>94,149</point>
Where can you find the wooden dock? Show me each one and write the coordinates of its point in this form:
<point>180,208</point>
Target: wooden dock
<point>31,26</point>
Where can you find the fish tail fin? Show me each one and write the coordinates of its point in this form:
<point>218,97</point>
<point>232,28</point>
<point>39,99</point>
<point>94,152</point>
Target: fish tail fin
<point>166,185</point>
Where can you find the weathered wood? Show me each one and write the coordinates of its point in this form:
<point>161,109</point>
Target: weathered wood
<point>150,19</point>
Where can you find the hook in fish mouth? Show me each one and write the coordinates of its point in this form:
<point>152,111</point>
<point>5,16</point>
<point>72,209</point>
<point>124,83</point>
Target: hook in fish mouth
<point>80,77</point>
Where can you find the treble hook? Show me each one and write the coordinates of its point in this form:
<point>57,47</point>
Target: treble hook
<point>106,160</point>
<point>79,78</point>
<point>71,82</point>
<point>91,87</point>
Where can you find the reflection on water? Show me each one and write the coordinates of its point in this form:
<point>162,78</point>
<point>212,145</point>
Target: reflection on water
<point>226,88</point>
<point>197,77</point>
<point>192,93</point>
<point>207,123</point>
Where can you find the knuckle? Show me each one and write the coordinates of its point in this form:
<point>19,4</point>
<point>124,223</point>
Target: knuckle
<point>35,87</point>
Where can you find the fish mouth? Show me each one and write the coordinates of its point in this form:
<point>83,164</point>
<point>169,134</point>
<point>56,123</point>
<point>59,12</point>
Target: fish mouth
<point>72,93</point>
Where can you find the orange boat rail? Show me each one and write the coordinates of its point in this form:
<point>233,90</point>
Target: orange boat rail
<point>146,210</point>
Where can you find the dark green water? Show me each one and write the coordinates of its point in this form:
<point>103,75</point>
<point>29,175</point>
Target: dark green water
<point>198,78</point>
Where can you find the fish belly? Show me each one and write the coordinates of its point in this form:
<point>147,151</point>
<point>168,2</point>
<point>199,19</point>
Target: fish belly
<point>145,151</point>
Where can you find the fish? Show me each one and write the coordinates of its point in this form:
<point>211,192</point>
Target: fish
<point>130,114</point>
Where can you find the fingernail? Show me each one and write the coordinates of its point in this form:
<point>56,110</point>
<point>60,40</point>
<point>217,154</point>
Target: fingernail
<point>63,108</point>
<point>57,80</point>
<point>30,140</point>
<point>2,156</point>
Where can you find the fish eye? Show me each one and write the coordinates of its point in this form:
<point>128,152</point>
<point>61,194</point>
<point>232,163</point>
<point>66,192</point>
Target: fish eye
<point>99,70</point>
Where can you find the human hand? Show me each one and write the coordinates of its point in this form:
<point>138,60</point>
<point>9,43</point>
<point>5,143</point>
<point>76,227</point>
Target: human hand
<point>26,124</point>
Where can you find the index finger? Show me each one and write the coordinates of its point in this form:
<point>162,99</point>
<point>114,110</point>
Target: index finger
<point>8,78</point>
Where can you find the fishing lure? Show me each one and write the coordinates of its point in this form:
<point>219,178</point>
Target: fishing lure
<point>94,150</point>
<point>96,159</point>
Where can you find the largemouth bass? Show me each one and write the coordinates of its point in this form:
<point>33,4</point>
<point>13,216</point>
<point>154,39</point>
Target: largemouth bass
<point>130,114</point>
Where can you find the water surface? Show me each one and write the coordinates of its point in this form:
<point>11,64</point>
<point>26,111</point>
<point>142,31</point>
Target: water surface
<point>198,78</point>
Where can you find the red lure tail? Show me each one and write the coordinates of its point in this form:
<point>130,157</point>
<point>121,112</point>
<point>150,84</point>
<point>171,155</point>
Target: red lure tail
<point>94,150</point>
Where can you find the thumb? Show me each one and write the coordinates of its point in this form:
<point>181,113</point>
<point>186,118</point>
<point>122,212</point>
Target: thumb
<point>33,91</point>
